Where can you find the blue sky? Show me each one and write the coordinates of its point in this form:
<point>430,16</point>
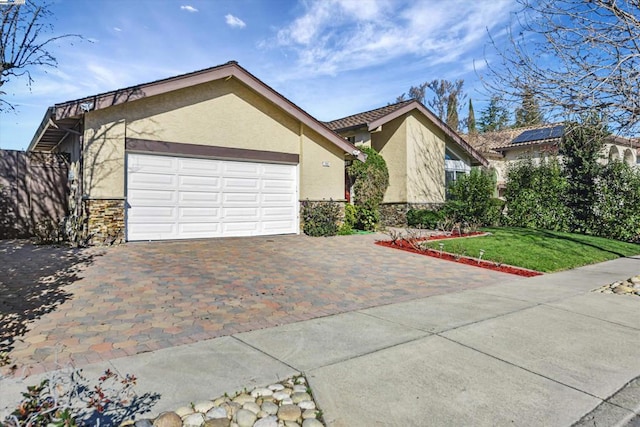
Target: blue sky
<point>331,57</point>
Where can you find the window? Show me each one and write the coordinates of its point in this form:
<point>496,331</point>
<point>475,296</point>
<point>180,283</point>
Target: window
<point>454,168</point>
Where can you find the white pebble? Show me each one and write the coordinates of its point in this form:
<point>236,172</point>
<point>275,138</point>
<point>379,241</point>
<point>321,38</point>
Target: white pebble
<point>216,413</point>
<point>307,404</point>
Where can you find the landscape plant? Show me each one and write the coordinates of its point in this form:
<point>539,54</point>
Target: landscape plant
<point>535,195</point>
<point>470,197</point>
<point>581,148</point>
<point>66,398</point>
<point>617,208</point>
<point>578,194</point>
<point>370,181</point>
<point>320,218</point>
<point>424,218</point>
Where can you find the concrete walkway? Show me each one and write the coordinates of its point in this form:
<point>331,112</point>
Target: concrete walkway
<point>543,351</point>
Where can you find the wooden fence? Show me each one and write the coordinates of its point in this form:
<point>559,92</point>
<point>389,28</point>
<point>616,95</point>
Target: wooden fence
<point>33,190</point>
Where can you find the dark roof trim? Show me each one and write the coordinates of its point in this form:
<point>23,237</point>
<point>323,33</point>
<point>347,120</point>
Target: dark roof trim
<point>76,108</point>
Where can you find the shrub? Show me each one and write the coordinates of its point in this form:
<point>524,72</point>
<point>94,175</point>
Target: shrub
<point>370,181</point>
<point>616,209</point>
<point>367,218</point>
<point>370,178</point>
<point>423,218</point>
<point>320,218</point>
<point>66,398</point>
<point>535,195</point>
<point>495,215</point>
<point>471,197</point>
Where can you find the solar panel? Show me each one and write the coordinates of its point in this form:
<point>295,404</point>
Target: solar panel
<point>539,134</point>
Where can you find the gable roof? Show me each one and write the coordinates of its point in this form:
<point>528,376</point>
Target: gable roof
<point>64,118</point>
<point>361,119</point>
<point>372,119</point>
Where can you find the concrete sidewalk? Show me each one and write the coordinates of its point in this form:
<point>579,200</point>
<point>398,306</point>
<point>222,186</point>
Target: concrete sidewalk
<point>538,351</point>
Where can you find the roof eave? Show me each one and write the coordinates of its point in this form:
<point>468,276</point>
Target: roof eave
<point>76,108</point>
<point>42,128</point>
<point>437,121</point>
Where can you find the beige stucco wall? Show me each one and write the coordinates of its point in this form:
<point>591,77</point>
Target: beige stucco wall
<point>390,142</point>
<point>425,160</point>
<point>103,168</point>
<point>414,150</point>
<point>321,168</point>
<point>221,113</point>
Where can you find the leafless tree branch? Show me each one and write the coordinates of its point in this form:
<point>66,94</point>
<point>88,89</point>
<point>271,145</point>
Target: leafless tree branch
<point>575,56</point>
<point>24,43</point>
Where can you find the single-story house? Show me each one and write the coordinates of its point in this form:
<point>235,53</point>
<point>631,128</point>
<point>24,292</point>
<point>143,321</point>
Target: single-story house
<point>211,153</point>
<point>502,148</point>
<point>423,154</point>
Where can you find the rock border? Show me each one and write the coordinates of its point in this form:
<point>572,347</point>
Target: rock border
<point>288,403</point>
<point>631,286</point>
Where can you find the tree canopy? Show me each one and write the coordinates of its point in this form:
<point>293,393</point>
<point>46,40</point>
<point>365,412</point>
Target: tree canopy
<point>446,99</point>
<point>575,57</point>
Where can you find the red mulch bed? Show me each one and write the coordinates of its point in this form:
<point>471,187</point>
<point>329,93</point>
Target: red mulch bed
<point>407,246</point>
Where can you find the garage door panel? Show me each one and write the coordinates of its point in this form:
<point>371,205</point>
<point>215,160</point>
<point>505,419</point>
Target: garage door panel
<point>241,228</point>
<point>152,180</point>
<point>278,186</point>
<point>240,199</point>
<point>276,213</point>
<point>200,229</point>
<point>241,184</point>
<point>240,214</point>
<point>148,197</point>
<point>279,171</point>
<point>154,231</point>
<point>182,198</point>
<point>150,164</point>
<point>198,214</point>
<point>277,227</point>
<point>200,167</point>
<point>199,198</point>
<point>243,169</point>
<point>153,214</point>
<point>278,198</point>
<point>192,182</point>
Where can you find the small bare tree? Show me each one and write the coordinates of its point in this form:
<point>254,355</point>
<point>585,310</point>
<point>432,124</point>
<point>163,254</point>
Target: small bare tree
<point>575,57</point>
<point>24,43</point>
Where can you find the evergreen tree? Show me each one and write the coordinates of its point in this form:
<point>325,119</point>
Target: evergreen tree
<point>494,117</point>
<point>528,114</point>
<point>581,148</point>
<point>471,120</point>
<point>452,111</point>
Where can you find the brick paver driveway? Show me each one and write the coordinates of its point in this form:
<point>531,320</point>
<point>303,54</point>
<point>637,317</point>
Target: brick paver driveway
<point>58,304</point>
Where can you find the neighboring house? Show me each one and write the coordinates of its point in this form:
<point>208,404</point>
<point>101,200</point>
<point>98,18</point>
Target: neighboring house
<point>422,153</point>
<point>502,148</point>
<point>211,153</point>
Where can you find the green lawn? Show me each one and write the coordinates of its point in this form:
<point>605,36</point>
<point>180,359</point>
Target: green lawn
<point>539,250</point>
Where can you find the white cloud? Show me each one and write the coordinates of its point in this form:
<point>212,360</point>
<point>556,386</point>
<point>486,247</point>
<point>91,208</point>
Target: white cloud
<point>117,29</point>
<point>188,8</point>
<point>340,35</point>
<point>234,21</point>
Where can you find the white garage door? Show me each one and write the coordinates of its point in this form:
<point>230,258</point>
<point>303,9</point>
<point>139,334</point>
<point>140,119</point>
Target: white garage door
<point>182,198</point>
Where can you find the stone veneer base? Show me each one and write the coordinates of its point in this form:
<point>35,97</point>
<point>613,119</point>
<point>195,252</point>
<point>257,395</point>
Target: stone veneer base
<point>105,221</point>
